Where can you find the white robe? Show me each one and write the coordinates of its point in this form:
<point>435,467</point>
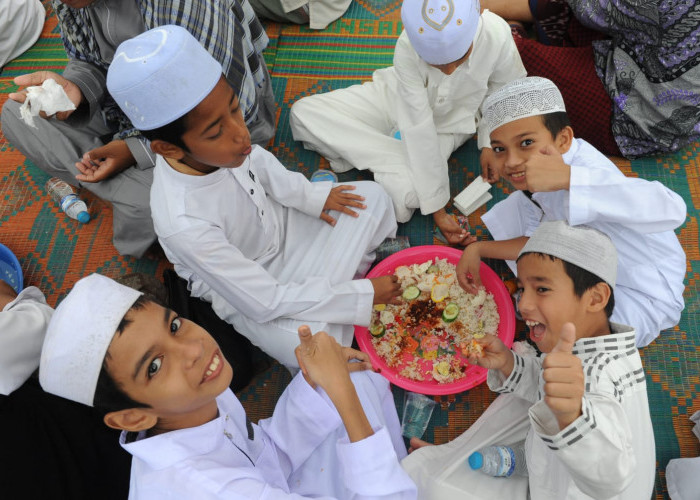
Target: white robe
<point>301,451</point>
<point>21,22</point>
<point>638,215</point>
<point>23,325</point>
<point>608,452</point>
<point>435,114</point>
<point>321,12</point>
<point>249,240</point>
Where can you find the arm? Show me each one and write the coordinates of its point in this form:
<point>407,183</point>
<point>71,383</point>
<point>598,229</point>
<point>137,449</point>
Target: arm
<point>470,261</point>
<point>523,380</point>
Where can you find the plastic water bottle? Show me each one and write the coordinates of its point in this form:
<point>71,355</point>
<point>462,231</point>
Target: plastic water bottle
<point>500,461</point>
<point>62,193</point>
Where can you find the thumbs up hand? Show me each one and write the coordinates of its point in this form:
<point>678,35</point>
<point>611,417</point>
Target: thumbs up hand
<point>545,170</point>
<point>564,380</point>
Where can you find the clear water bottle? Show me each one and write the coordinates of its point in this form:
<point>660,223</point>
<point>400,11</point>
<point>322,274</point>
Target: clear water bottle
<point>62,193</point>
<point>500,461</point>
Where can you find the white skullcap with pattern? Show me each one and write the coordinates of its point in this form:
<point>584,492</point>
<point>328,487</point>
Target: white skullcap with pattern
<point>581,246</point>
<point>531,96</point>
<point>160,75</point>
<point>79,334</point>
<point>440,31</point>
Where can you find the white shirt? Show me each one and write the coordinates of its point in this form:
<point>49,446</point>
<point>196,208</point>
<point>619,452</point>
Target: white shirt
<point>301,451</point>
<point>638,215</point>
<point>609,451</point>
<point>226,232</point>
<point>23,325</point>
<point>426,102</point>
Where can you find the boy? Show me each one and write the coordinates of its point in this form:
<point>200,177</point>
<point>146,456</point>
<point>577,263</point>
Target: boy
<point>558,177</point>
<point>240,228</point>
<point>406,122</point>
<point>163,381</point>
<point>590,433</point>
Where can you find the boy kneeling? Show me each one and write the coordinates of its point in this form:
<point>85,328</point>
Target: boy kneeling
<point>164,382</point>
<point>590,430</point>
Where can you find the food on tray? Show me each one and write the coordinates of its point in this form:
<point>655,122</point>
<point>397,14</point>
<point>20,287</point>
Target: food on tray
<point>430,335</point>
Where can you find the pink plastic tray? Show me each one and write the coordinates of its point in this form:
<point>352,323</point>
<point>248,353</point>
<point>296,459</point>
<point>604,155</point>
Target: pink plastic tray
<point>475,375</point>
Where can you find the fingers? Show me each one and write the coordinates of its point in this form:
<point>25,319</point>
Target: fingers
<point>325,217</point>
<point>567,337</point>
<point>36,78</point>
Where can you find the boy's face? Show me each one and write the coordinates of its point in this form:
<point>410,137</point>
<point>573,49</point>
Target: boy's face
<point>515,142</point>
<point>450,68</point>
<point>548,300</point>
<point>170,364</point>
<point>216,134</point>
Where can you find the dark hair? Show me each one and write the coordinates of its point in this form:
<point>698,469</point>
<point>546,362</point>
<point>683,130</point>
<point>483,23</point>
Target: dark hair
<point>171,132</point>
<point>556,122</point>
<point>583,280</point>
<point>109,396</point>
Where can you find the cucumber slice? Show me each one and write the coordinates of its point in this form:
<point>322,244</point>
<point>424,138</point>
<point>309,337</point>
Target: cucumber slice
<point>410,293</point>
<point>450,313</point>
<point>377,330</point>
<point>433,269</point>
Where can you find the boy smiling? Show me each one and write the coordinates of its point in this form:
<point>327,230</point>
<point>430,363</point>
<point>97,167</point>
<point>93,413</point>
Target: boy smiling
<point>559,177</point>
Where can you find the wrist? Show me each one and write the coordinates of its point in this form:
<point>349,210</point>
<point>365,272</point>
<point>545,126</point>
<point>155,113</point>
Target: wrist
<point>508,365</point>
<point>439,213</point>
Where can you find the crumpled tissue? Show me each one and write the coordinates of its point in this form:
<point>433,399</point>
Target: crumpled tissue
<point>48,97</point>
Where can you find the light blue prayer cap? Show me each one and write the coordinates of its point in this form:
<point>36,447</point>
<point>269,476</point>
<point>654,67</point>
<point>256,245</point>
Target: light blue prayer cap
<point>161,75</point>
<point>440,31</point>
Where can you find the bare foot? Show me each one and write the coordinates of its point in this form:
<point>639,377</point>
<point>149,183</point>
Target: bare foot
<point>7,294</point>
<point>416,443</point>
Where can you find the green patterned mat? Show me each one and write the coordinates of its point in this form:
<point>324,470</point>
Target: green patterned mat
<point>55,251</point>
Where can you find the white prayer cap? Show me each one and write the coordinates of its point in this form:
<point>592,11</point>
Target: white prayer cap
<point>521,98</point>
<point>79,334</point>
<point>161,75</point>
<point>581,246</point>
<point>440,31</point>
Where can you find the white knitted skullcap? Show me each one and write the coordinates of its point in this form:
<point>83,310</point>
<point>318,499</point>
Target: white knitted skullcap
<point>161,75</point>
<point>440,31</point>
<point>582,246</point>
<point>79,334</point>
<point>521,98</point>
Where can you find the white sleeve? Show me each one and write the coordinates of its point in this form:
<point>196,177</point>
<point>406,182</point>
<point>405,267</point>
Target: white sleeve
<point>523,381</point>
<point>426,167</point>
<point>606,195</point>
<point>252,291</point>
<point>23,324</point>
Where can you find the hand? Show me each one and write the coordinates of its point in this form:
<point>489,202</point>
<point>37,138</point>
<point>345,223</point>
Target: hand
<point>488,165</point>
<point>31,79</point>
<point>339,200</point>
<point>563,377</point>
<point>453,232</point>
<point>468,266</point>
<point>7,294</point>
<point>322,360</point>
<point>546,171</point>
<point>386,289</point>
<point>104,162</point>
<point>494,356</point>
<point>353,355</point>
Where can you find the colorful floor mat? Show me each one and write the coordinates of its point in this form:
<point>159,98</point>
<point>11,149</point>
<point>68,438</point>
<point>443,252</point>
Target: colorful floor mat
<point>56,251</point>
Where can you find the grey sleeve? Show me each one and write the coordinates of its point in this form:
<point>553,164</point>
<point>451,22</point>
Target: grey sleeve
<point>92,82</point>
<point>141,151</point>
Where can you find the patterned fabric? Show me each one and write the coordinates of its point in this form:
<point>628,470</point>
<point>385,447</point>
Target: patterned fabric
<point>228,29</point>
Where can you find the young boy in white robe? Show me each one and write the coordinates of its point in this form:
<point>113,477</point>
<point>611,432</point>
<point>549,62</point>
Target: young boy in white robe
<point>163,381</point>
<point>404,124</point>
<point>268,249</point>
<point>590,432</point>
<point>559,177</point>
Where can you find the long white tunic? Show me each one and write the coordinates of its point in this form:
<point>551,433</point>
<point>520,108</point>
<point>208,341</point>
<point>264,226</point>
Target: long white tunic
<point>23,325</point>
<point>301,451</point>
<point>21,22</point>
<point>321,12</point>
<point>435,114</point>
<point>249,240</point>
<point>639,216</point>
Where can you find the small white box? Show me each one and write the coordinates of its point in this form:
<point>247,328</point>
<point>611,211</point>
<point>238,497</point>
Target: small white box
<point>473,196</point>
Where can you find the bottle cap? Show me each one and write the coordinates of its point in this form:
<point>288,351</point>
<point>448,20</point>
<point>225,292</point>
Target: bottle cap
<point>83,217</point>
<point>324,175</point>
<point>476,460</point>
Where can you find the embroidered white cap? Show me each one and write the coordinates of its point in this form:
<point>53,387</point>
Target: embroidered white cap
<point>79,334</point>
<point>581,246</point>
<point>440,31</point>
<point>521,98</point>
<point>161,75</point>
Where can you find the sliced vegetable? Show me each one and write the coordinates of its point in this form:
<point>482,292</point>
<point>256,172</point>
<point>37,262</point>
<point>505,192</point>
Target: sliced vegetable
<point>433,269</point>
<point>412,292</point>
<point>379,307</point>
<point>450,313</point>
<point>439,292</point>
<point>377,330</point>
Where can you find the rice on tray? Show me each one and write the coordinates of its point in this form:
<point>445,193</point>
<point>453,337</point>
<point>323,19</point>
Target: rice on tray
<point>431,333</point>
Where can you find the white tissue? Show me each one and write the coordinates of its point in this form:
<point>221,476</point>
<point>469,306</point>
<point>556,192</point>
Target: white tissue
<point>49,98</point>
<point>473,196</point>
